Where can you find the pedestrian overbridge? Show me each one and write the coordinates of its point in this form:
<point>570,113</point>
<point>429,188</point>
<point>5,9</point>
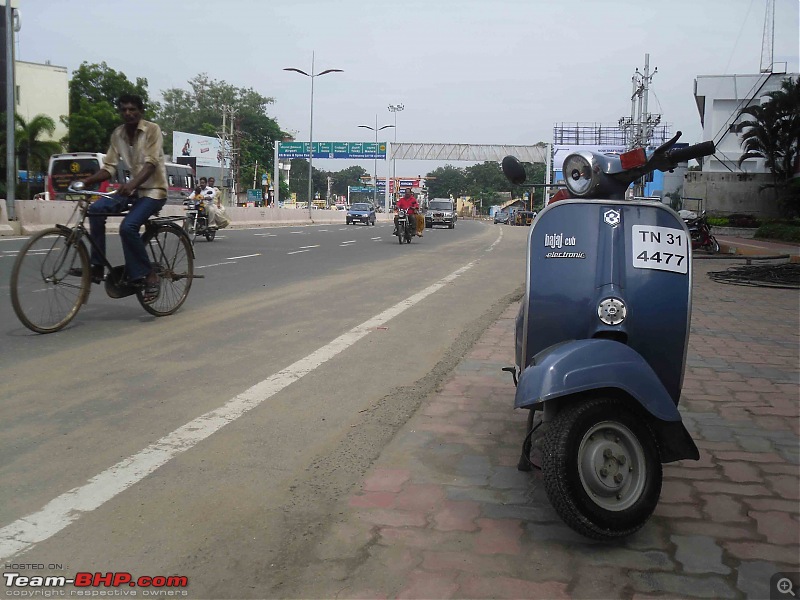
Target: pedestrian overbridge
<point>539,153</point>
<point>472,152</point>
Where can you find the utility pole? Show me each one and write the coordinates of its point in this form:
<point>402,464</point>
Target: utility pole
<point>640,126</point>
<point>11,162</point>
<point>229,152</point>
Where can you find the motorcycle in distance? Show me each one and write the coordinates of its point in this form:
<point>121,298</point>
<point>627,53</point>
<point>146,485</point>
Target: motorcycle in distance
<point>405,226</point>
<point>196,222</point>
<point>700,232</point>
<point>601,338</point>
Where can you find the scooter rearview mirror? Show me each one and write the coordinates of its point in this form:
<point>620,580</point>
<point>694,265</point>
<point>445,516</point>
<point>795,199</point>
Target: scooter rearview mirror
<point>513,170</point>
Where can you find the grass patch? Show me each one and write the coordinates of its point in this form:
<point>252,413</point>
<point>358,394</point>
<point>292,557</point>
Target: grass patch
<point>780,230</point>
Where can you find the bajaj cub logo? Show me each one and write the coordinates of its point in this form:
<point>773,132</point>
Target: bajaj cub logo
<point>611,217</point>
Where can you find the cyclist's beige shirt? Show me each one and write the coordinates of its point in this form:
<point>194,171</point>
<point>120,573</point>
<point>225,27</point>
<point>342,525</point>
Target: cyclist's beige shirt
<point>147,148</point>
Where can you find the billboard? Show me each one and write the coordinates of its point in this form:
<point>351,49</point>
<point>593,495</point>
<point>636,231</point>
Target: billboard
<point>207,151</point>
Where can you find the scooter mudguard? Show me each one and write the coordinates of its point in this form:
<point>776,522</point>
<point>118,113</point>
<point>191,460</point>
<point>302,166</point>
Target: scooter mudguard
<point>580,366</point>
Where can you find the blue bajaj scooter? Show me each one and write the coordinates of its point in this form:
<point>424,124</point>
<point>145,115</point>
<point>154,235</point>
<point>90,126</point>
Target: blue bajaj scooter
<point>601,340</point>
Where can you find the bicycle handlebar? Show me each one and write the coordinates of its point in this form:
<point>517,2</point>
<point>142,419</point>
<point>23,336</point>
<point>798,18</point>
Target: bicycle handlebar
<point>81,189</point>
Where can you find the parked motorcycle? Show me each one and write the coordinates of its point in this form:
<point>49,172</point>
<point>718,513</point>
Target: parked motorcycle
<point>405,226</point>
<point>601,340</point>
<point>700,232</point>
<point>196,222</point>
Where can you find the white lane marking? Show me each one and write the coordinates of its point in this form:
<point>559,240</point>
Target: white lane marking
<point>323,230</point>
<point>230,262</point>
<point>344,229</point>
<point>349,242</point>
<point>5,239</point>
<point>375,238</point>
<point>315,246</point>
<point>56,515</point>
<point>297,232</point>
<point>499,237</point>
<point>245,256</point>
<point>266,234</point>
<point>298,252</point>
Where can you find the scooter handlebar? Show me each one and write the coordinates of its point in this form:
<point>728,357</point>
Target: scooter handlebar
<point>677,155</point>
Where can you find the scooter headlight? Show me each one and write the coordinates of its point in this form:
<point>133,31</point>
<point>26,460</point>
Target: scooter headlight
<point>581,174</point>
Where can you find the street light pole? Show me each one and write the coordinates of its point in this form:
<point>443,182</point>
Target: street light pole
<point>394,109</point>
<point>376,129</point>
<point>311,124</point>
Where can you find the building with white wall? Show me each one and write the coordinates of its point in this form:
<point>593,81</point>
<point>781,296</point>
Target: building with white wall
<point>720,98</point>
<point>43,89</point>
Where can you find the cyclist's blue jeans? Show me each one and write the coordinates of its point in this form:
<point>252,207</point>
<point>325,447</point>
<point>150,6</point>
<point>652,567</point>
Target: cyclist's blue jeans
<point>137,263</point>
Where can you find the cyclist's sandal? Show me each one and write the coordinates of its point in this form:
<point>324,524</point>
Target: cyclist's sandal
<point>151,290</point>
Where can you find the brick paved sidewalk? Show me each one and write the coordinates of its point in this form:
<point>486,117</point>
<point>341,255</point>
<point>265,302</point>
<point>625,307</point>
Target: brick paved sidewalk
<point>444,513</point>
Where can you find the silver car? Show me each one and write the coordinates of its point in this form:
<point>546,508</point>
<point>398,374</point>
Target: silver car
<point>441,211</point>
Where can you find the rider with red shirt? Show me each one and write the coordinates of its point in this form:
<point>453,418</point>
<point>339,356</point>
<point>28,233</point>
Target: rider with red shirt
<point>408,203</point>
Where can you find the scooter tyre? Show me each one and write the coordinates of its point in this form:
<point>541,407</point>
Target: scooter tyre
<point>713,245</point>
<point>210,234</point>
<point>570,476</point>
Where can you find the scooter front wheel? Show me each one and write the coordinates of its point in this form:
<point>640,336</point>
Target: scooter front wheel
<point>601,466</point>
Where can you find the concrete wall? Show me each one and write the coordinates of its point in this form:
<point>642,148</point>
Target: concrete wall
<point>728,193</point>
<point>35,215</point>
<point>43,89</point>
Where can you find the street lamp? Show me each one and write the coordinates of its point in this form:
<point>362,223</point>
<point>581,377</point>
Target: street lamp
<point>394,109</point>
<point>311,125</point>
<point>376,129</point>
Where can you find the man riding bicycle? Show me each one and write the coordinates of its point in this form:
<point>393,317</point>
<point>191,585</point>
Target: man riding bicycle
<point>139,144</point>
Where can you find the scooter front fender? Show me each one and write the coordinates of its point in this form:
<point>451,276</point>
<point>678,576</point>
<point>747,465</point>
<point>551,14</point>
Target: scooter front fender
<point>579,366</point>
<point>582,365</point>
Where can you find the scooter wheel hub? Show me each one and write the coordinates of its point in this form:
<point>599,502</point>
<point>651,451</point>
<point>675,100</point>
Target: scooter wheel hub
<point>611,465</point>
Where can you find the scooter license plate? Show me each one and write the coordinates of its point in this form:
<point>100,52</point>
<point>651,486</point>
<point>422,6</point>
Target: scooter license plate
<point>661,248</point>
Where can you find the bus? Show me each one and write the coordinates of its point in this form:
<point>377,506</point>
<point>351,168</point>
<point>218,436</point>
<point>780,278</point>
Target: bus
<point>63,169</point>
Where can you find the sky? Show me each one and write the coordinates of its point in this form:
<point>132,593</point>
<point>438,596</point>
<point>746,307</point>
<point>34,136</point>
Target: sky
<point>466,71</point>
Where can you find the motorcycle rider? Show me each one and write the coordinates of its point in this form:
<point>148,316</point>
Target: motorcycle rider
<point>208,195</point>
<point>408,203</point>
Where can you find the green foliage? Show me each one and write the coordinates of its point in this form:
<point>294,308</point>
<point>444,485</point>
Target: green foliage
<point>340,180</point>
<point>718,221</point>
<point>787,231</point>
<point>773,132</point>
<point>199,110</point>
<point>33,154</point>
<point>483,182</point>
<point>93,93</point>
<point>447,181</point>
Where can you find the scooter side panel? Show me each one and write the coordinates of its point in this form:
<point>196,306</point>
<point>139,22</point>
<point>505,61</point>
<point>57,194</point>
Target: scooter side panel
<point>582,365</point>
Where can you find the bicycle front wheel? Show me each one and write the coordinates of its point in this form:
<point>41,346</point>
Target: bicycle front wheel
<point>50,281</point>
<point>170,253</point>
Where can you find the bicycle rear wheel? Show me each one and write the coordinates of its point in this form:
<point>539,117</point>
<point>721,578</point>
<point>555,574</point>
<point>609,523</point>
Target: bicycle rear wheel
<point>50,281</point>
<point>171,254</point>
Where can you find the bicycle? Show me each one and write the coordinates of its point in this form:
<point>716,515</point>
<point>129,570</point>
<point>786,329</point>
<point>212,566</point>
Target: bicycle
<point>51,278</point>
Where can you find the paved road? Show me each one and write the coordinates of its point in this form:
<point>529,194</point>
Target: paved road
<point>202,443</point>
<point>444,513</point>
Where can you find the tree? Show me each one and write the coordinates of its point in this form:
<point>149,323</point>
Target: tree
<point>93,93</point>
<point>33,153</point>
<point>350,176</point>
<point>199,110</point>
<point>773,133</point>
<point>446,181</point>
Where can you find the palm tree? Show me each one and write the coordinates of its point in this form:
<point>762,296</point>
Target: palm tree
<point>32,152</point>
<point>773,133</point>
